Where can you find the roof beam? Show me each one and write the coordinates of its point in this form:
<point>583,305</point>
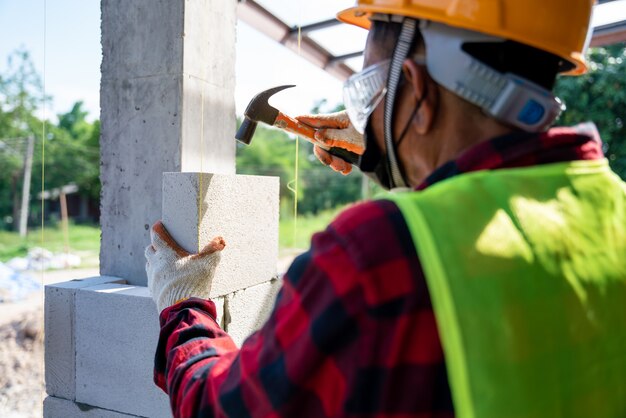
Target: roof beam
<point>608,35</point>
<point>345,57</point>
<point>306,29</point>
<point>255,15</point>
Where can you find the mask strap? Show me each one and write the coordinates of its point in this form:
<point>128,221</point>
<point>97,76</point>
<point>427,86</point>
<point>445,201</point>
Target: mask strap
<point>408,124</point>
<point>400,53</point>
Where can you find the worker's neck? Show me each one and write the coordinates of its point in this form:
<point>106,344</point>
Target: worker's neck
<point>447,141</point>
<point>458,137</point>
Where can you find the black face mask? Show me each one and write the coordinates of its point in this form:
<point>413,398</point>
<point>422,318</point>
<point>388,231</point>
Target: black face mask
<point>372,163</point>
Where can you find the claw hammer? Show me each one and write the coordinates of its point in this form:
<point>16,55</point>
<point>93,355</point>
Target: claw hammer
<point>259,110</point>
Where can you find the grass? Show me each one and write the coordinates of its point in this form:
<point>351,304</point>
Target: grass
<point>307,225</point>
<point>84,241</point>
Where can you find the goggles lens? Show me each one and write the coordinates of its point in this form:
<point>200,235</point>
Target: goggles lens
<point>363,92</point>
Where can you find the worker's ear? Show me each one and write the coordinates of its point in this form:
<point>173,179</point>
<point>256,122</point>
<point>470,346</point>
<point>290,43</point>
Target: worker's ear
<point>424,89</point>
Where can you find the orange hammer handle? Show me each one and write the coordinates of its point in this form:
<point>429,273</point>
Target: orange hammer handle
<point>289,124</point>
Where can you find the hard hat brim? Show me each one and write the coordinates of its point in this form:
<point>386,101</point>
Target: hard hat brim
<point>360,16</point>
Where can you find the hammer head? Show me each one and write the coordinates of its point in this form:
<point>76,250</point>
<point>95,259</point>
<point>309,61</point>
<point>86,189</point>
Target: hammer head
<point>259,110</point>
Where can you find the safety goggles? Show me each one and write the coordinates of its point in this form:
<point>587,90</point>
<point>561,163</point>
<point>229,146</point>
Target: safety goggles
<point>363,91</point>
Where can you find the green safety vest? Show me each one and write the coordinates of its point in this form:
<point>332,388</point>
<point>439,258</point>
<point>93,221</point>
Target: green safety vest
<point>526,269</point>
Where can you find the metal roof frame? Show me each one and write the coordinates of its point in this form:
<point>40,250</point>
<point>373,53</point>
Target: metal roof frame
<point>265,22</point>
<point>255,15</point>
<point>609,34</point>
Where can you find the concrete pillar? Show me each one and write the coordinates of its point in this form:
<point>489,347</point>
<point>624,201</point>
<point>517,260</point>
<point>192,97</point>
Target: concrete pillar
<point>167,99</point>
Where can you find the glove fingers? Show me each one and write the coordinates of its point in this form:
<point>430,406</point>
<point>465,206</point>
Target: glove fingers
<point>336,163</point>
<point>322,155</point>
<point>162,240</point>
<point>338,120</point>
<point>217,244</point>
<point>150,251</point>
<point>347,139</point>
<point>340,165</point>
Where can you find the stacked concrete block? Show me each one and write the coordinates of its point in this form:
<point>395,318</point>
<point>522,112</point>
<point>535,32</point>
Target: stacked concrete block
<point>62,408</point>
<point>242,209</point>
<point>60,334</point>
<point>248,309</point>
<point>117,330</point>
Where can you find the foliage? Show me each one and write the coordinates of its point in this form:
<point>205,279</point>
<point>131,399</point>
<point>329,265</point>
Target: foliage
<point>600,97</point>
<point>71,145</point>
<point>20,96</point>
<point>72,154</point>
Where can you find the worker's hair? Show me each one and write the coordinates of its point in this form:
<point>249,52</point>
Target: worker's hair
<point>512,57</point>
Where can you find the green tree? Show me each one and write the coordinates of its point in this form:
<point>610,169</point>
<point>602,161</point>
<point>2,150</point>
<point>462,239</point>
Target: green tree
<point>272,153</point>
<point>72,154</point>
<point>21,94</point>
<point>600,97</point>
<point>71,145</point>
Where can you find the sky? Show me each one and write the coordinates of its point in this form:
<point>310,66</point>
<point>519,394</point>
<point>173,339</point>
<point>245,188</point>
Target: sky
<point>73,52</point>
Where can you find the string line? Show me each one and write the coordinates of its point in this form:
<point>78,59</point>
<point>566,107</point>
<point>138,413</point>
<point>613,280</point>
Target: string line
<point>297,159</point>
<point>43,177</point>
<point>200,174</point>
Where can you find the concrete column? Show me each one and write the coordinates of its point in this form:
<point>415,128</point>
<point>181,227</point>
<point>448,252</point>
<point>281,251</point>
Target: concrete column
<point>167,99</point>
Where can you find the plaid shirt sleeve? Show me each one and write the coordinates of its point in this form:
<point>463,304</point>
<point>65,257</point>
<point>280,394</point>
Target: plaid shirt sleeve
<point>352,334</point>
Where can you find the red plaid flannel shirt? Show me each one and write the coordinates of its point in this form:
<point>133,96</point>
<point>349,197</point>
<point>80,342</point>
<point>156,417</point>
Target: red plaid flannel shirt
<point>352,332</point>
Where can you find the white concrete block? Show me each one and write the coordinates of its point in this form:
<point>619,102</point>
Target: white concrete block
<point>241,209</point>
<point>116,337</point>
<point>62,408</point>
<point>249,309</point>
<point>59,334</point>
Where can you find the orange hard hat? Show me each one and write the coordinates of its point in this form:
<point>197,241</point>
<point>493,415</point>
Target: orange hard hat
<point>561,27</point>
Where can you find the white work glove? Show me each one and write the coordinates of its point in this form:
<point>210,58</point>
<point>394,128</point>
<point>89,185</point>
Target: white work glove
<point>174,274</point>
<point>334,130</point>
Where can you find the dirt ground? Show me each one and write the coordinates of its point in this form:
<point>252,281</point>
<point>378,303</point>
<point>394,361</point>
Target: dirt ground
<point>21,364</point>
<point>21,350</point>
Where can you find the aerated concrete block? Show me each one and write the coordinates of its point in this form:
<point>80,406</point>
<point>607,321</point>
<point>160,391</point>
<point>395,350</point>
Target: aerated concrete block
<point>62,408</point>
<point>247,310</point>
<point>59,334</point>
<point>241,209</point>
<point>116,337</point>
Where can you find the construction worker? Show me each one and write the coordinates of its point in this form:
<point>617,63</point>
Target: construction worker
<point>494,285</point>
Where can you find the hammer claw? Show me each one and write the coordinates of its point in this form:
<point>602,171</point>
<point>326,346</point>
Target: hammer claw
<point>259,110</point>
